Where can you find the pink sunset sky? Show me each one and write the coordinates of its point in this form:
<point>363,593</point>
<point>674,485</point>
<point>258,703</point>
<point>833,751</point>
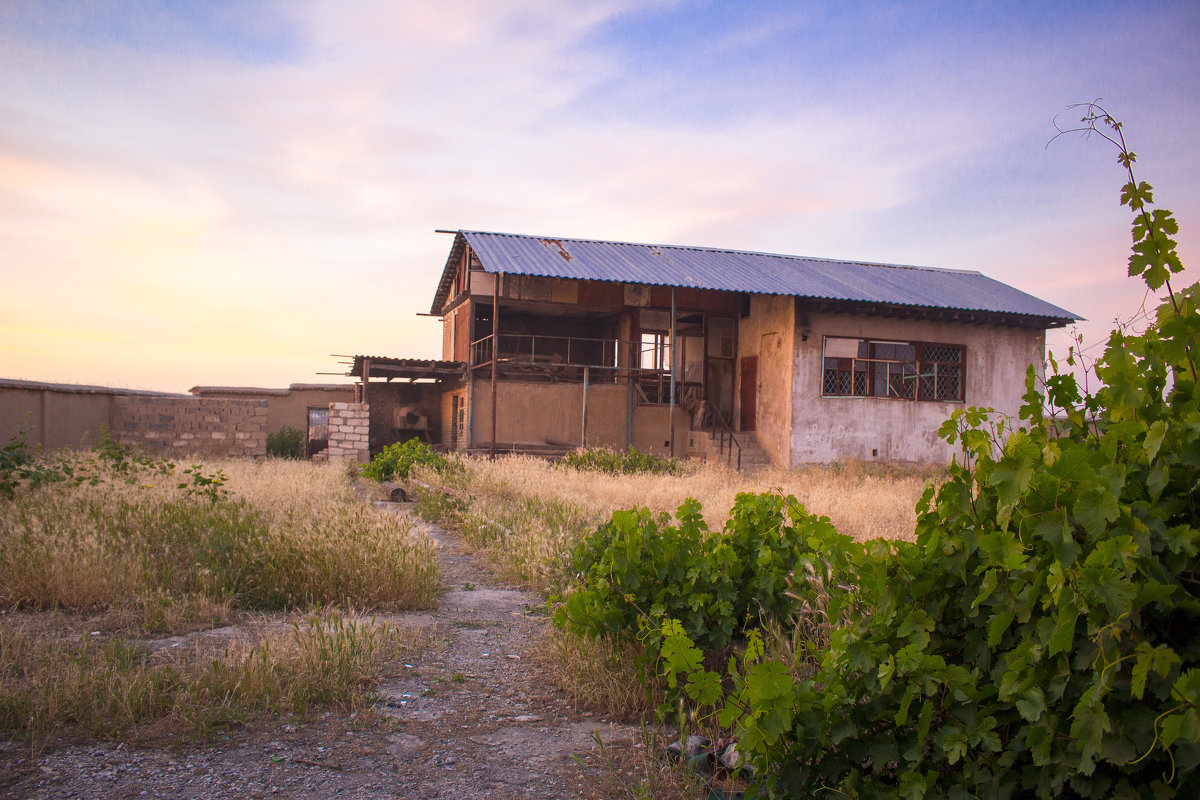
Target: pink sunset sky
<point>229,192</point>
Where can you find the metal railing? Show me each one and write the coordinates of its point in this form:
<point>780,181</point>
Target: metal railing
<point>715,425</point>
<point>905,380</point>
<point>563,358</point>
<point>563,351</point>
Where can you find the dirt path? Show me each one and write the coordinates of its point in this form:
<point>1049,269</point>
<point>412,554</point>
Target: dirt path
<point>473,716</point>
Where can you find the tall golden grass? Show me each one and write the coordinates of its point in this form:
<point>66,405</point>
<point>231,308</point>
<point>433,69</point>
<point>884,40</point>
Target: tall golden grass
<point>130,551</point>
<point>287,534</point>
<point>527,513</point>
<point>863,501</point>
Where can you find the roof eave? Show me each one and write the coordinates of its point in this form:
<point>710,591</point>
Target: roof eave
<point>443,290</point>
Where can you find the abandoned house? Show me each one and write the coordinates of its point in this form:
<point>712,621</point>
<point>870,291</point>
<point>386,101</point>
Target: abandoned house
<point>553,343</point>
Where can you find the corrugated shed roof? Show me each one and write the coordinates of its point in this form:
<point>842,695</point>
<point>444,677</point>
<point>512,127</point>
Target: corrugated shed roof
<point>412,368</point>
<point>743,271</point>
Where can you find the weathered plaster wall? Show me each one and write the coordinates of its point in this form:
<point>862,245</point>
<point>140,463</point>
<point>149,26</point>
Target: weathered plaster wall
<point>651,434</point>
<point>53,418</point>
<point>292,408</point>
<point>879,429</point>
<point>768,333</point>
<point>533,413</point>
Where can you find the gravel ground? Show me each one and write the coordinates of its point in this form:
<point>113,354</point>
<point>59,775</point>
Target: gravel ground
<point>473,716</point>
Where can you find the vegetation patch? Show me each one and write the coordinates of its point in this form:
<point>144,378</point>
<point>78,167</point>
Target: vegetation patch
<point>82,686</point>
<point>620,462</point>
<point>396,461</point>
<point>287,442</point>
<point>93,545</point>
<point>120,545</point>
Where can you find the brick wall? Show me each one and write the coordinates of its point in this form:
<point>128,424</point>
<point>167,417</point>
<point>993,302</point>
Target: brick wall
<point>349,432</point>
<point>192,425</point>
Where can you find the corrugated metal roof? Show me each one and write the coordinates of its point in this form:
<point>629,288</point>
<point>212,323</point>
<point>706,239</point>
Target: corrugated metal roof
<point>759,273</point>
<point>412,368</point>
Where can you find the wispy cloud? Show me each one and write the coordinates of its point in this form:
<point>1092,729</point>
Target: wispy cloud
<point>229,197</point>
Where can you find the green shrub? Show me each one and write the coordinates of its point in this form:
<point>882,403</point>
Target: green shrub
<point>287,442</point>
<point>22,465</point>
<point>397,460</point>
<point>619,462</point>
<point>638,570</point>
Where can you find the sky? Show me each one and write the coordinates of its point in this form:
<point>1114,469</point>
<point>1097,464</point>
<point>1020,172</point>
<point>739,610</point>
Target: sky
<point>212,192</point>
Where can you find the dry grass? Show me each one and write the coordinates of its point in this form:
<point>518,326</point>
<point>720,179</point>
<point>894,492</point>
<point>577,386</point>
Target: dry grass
<point>85,568</point>
<point>864,501</point>
<point>526,514</point>
<point>52,681</point>
<point>637,770</point>
<point>602,674</point>
<point>287,534</point>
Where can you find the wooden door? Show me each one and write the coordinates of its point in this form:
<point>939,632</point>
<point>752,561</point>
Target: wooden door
<point>748,392</point>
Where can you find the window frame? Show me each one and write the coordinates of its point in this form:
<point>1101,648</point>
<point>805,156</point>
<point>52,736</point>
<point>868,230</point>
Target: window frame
<point>933,377</point>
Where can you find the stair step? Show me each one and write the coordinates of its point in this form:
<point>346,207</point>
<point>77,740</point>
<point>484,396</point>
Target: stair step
<point>753,456</point>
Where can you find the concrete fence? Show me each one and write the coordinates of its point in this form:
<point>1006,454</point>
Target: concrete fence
<point>56,415</point>
<point>196,425</point>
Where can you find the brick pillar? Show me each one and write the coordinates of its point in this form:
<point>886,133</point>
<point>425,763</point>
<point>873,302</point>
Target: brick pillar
<point>349,432</point>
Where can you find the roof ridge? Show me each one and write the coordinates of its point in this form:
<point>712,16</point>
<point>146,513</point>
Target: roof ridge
<point>701,248</point>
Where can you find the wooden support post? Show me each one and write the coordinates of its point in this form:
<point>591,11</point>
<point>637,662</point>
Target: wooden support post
<point>470,410</point>
<point>629,416</point>
<point>674,354</point>
<point>583,435</point>
<point>495,356</point>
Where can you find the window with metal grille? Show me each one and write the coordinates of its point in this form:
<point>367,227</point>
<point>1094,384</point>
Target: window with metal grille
<point>891,369</point>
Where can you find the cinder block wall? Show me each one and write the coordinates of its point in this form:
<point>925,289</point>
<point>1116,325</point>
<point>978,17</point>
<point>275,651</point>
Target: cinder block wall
<point>349,432</point>
<point>192,425</point>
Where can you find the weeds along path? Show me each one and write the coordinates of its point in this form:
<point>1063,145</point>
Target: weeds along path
<point>472,715</point>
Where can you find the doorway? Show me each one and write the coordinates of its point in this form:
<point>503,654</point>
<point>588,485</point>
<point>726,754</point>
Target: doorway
<point>748,391</point>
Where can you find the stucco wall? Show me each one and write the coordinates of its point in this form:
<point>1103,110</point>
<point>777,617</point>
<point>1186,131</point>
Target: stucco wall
<point>878,429</point>
<point>53,418</point>
<point>533,413</point>
<point>768,333</point>
<point>292,408</point>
